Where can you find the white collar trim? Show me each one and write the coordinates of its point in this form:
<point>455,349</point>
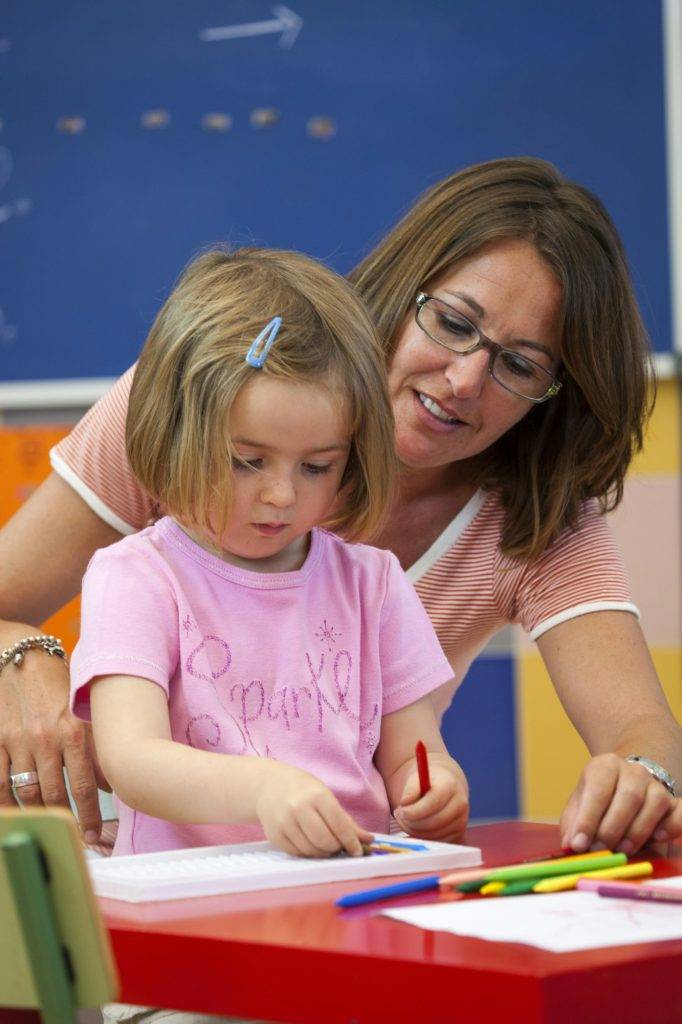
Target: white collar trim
<point>450,534</point>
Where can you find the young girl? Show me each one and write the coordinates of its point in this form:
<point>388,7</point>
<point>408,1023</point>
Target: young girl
<point>248,673</point>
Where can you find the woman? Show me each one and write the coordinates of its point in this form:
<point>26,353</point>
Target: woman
<point>519,375</point>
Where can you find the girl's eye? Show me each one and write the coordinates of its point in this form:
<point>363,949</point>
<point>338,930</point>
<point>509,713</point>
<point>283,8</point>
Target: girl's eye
<point>315,469</point>
<point>246,464</point>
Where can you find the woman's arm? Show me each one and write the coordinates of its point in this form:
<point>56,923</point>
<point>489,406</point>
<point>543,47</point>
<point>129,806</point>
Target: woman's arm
<point>44,549</point>
<point>152,773</point>
<point>604,676</point>
<point>443,811</point>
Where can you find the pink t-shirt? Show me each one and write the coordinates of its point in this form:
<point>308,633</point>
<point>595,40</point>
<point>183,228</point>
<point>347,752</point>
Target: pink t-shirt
<point>298,666</point>
<point>469,588</point>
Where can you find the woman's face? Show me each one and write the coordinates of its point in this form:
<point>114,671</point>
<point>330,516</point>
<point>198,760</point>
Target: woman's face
<point>447,406</point>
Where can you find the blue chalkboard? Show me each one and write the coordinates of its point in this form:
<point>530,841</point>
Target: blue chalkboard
<point>132,136</point>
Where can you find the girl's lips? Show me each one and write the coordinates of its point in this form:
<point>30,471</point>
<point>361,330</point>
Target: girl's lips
<point>269,529</point>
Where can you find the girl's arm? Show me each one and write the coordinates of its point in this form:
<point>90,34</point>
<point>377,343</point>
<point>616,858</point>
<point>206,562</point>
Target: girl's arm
<point>442,812</point>
<point>154,774</point>
<point>604,676</point>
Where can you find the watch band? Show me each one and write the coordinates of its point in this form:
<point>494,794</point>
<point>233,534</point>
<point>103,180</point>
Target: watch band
<point>657,770</point>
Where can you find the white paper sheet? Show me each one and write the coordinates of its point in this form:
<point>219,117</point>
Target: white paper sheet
<point>560,922</point>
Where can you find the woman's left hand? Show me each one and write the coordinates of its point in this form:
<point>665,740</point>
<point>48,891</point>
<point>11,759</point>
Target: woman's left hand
<point>618,804</point>
<point>442,813</point>
<point>605,678</point>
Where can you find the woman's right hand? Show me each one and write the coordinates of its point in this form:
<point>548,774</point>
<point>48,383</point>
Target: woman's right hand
<point>301,816</point>
<point>39,734</point>
<point>44,549</point>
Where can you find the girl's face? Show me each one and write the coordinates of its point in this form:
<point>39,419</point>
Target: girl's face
<point>295,440</point>
<point>447,406</point>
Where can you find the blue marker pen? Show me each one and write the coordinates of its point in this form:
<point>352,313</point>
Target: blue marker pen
<point>357,899</point>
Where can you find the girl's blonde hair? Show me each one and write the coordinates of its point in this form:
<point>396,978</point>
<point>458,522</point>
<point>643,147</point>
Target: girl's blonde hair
<point>580,444</point>
<point>193,365</point>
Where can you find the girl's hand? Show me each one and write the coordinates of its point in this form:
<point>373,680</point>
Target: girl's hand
<point>619,805</point>
<point>442,813</point>
<point>301,816</point>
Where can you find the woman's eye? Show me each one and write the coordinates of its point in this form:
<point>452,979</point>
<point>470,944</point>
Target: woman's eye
<point>460,328</point>
<point>517,365</point>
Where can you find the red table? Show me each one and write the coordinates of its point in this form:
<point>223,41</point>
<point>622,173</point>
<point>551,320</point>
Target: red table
<point>291,955</point>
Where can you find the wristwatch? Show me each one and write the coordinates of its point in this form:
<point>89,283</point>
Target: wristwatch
<point>656,770</point>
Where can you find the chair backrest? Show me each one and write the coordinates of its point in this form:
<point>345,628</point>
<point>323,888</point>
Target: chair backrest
<point>55,949</point>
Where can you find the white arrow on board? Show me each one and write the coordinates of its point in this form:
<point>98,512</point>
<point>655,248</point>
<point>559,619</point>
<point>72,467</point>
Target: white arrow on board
<point>285,21</point>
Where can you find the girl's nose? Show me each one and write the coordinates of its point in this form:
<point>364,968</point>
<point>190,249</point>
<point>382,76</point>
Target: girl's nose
<point>278,491</point>
<point>467,374</point>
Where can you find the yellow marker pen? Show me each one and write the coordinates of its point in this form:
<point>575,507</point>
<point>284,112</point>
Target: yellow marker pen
<point>492,888</point>
<point>564,882</point>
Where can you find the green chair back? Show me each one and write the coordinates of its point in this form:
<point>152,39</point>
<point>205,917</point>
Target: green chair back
<point>56,955</point>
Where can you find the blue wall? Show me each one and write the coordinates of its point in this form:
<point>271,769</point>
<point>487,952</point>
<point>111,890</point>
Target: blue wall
<point>98,212</point>
<point>479,730</point>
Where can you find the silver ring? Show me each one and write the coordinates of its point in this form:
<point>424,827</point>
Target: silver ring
<point>23,779</point>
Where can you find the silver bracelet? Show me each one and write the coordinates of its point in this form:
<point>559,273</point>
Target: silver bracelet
<point>51,644</point>
<point>656,770</point>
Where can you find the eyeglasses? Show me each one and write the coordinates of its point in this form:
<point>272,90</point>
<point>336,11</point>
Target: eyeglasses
<point>516,373</point>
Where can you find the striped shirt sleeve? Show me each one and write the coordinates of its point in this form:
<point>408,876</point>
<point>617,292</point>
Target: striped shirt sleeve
<point>471,591</point>
<point>92,460</point>
<point>581,572</point>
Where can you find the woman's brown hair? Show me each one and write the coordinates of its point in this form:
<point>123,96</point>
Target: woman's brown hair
<point>579,444</point>
<point>193,365</point>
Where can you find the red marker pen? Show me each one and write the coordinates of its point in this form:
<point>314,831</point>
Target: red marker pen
<point>423,769</point>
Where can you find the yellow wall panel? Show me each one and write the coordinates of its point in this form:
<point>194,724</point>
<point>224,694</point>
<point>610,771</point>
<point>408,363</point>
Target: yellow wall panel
<point>669,667</point>
<point>662,447</point>
<point>551,754</point>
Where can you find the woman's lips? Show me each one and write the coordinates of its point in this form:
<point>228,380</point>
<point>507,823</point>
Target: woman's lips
<point>436,410</point>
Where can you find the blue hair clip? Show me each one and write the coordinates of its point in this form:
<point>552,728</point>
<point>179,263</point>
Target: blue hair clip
<point>256,355</point>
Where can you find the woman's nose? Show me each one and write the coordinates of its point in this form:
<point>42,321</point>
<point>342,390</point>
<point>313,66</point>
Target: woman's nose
<point>467,373</point>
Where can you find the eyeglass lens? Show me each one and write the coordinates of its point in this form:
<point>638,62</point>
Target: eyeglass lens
<point>452,330</point>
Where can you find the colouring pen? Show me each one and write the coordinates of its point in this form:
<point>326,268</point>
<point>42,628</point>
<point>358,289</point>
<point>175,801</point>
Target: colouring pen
<point>492,888</point>
<point>480,875</point>
<point>384,846</point>
<point>567,866</point>
<point>423,769</point>
<point>519,887</point>
<point>466,882</point>
<point>395,844</point>
<point>357,899</point>
<point>631,890</point>
<point>564,882</point>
